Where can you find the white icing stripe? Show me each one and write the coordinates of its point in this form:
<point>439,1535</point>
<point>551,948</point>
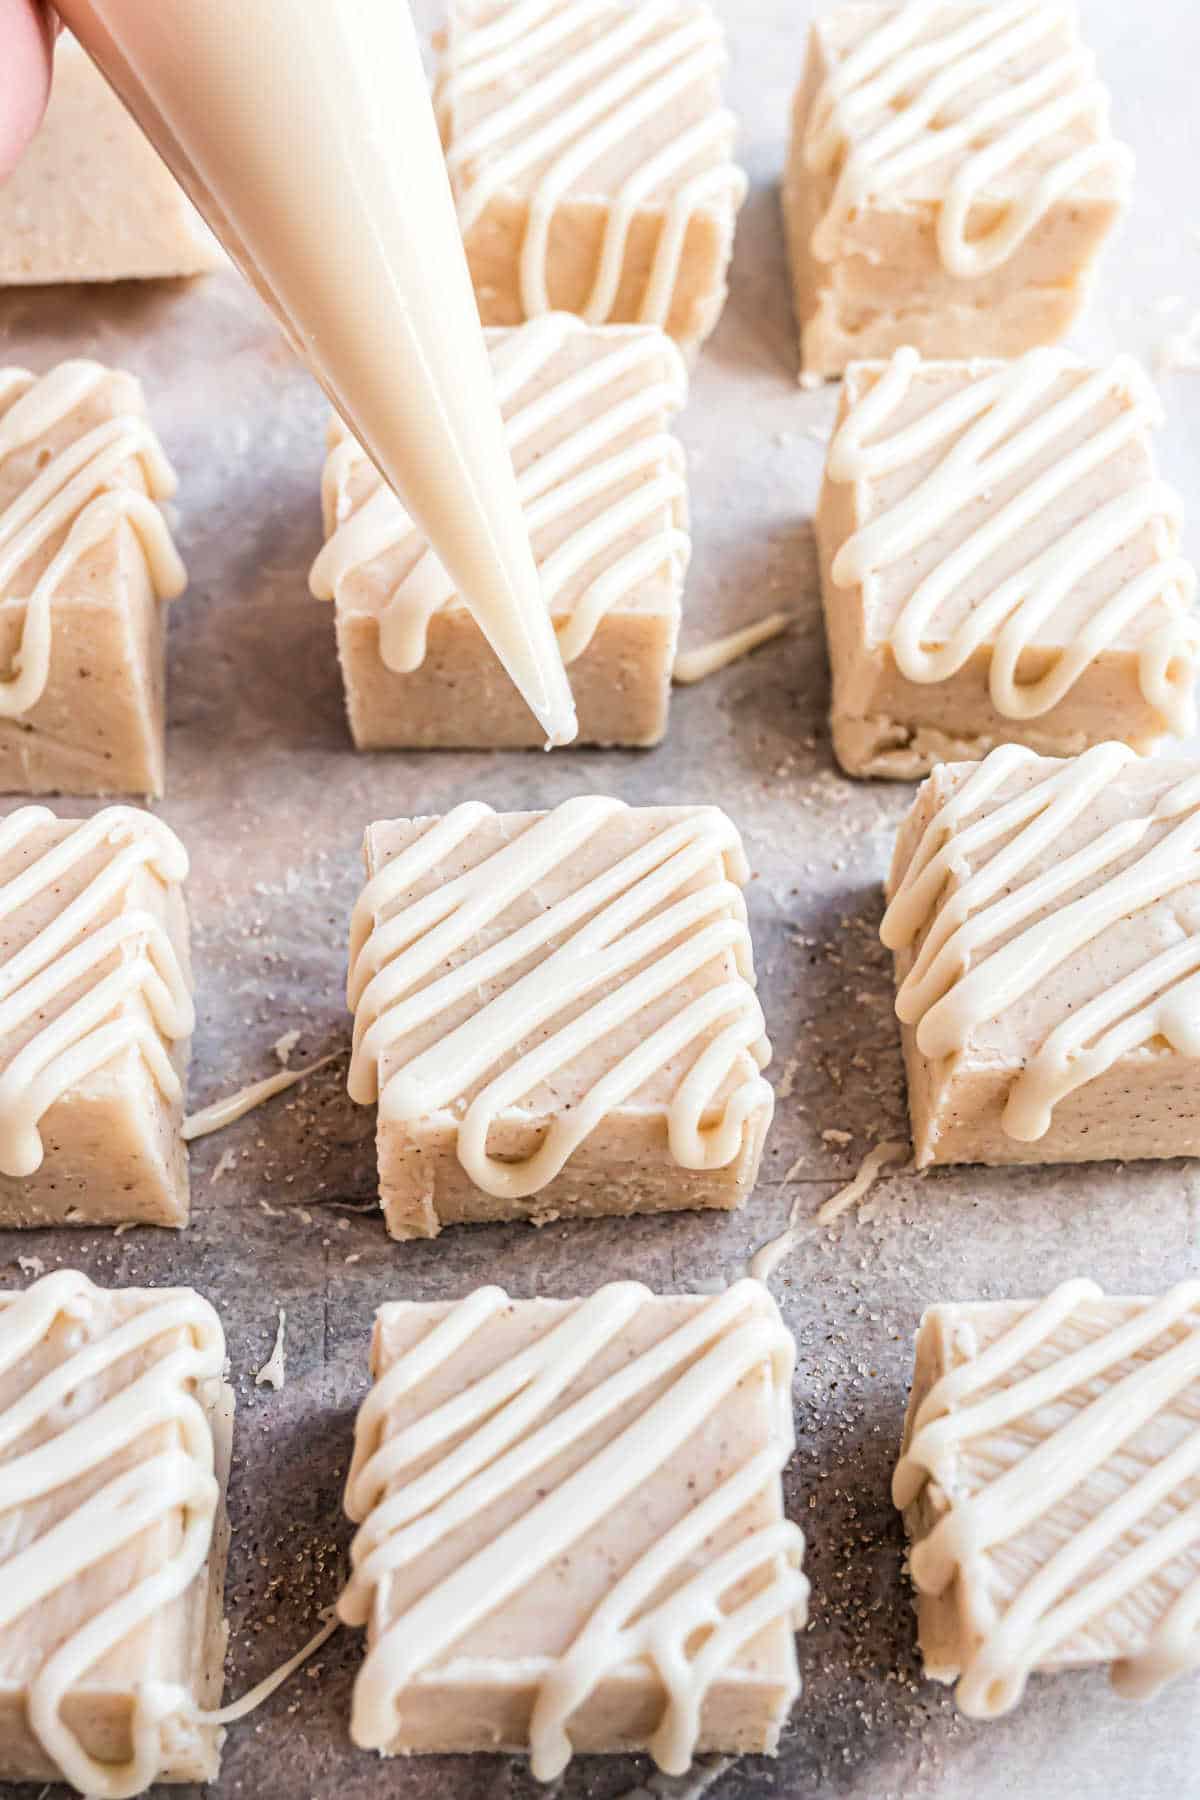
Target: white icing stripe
<point>707,659</point>
<point>1061,1599</point>
<point>175,1482</point>
<point>619,79</point>
<point>1007,420</point>
<point>958,981</point>
<point>901,103</point>
<point>636,925</point>
<point>136,993</point>
<point>81,487</point>
<point>501,1431</point>
<point>645,479</point>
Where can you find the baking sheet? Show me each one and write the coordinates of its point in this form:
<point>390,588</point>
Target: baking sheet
<point>271,800</point>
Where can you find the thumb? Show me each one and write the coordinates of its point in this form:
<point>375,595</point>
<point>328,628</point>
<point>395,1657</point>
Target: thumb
<point>26,39</point>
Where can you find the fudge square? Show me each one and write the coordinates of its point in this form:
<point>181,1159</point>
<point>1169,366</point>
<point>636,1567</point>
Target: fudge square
<point>556,1013</point>
<point>1048,1479</point>
<point>1045,921</point>
<point>1000,562</point>
<point>86,562</point>
<point>115,1429</point>
<point>90,199</point>
<point>95,1019</point>
<point>588,412</point>
<point>951,180</point>
<point>590,159</point>
<point>571,1529</point>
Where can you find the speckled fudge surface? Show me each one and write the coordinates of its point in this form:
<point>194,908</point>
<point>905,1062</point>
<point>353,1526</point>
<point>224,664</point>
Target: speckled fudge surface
<point>284,1213</point>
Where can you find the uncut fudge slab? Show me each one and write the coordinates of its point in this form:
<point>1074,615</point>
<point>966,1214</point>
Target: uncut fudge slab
<point>1045,922</point>
<point>95,1019</point>
<point>590,159</point>
<point>1000,562</point>
<point>571,1530</point>
<point>951,180</point>
<point>1049,1479</point>
<point>556,1014</point>
<point>115,1428</point>
<point>588,411</point>
<point>90,199</point>
<point>86,564</point>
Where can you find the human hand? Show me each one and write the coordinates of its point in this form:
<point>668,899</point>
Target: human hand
<point>26,40</point>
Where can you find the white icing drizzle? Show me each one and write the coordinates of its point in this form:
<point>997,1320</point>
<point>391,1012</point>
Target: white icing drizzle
<point>82,487</point>
<point>1008,417</point>
<point>1099,1396</point>
<point>633,64</point>
<point>498,1432</point>
<point>929,84</point>
<point>635,925</point>
<point>172,1482</point>
<point>220,1113</point>
<point>136,996</point>
<point>583,473</point>
<point>270,1684</point>
<point>707,659</point>
<point>958,980</point>
<point>767,1259</point>
<point>273,1373</point>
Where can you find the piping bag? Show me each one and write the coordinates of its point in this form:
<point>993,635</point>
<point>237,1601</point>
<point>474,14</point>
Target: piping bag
<point>304,133</point>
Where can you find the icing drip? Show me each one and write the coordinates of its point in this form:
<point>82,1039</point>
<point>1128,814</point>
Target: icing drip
<point>498,1433</point>
<point>136,994</point>
<point>173,1482</point>
<point>614,489</point>
<point>768,1257</point>
<point>631,66</point>
<point>708,659</point>
<point>931,84</point>
<point>1094,1400</point>
<point>631,935</point>
<point>83,489</point>
<point>262,1690</point>
<point>983,435</point>
<point>1000,931</point>
<point>235,1106</point>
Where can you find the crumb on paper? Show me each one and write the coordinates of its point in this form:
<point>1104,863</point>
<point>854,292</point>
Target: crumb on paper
<point>284,1046</point>
<point>833,1136</point>
<point>788,1079</point>
<point>31,1265</point>
<point>272,1373</point>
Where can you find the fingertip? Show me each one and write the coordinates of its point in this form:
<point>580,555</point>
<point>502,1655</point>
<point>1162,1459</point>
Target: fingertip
<point>26,40</point>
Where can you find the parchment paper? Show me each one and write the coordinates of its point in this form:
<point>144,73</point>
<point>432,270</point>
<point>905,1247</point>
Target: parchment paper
<point>271,800</point>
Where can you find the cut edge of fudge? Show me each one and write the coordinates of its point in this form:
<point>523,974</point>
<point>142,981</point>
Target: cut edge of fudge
<point>135,1739</point>
<point>107,979</point>
<point>105,210</point>
<point>954,695</point>
<point>667,1367</point>
<point>87,566</point>
<point>651,245</point>
<point>988,1627</point>
<point>1000,289</point>
<point>1132,1037</point>
<point>444,1159</point>
<point>606,501</point>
